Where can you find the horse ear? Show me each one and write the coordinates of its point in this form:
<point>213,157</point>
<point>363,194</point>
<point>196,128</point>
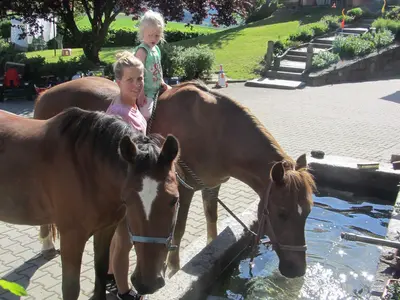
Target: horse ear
<point>278,173</point>
<point>169,150</point>
<point>128,149</point>
<point>301,162</point>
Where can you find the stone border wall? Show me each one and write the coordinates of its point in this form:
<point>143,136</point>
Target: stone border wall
<point>381,64</point>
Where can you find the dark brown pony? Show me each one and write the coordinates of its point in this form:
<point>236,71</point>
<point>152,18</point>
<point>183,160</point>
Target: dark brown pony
<point>219,139</point>
<point>88,172</point>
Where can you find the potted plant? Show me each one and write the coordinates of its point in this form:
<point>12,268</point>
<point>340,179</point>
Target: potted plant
<point>392,290</point>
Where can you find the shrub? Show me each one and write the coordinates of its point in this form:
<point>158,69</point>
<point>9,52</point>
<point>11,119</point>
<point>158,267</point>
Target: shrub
<point>281,46</point>
<point>190,63</point>
<point>347,19</point>
<point>303,34</point>
<point>197,61</point>
<point>61,69</point>
<point>171,60</point>
<point>306,33</point>
<point>319,28</point>
<point>332,21</point>
<point>393,14</point>
<point>348,47</point>
<point>5,30</point>
<point>356,13</point>
<point>324,59</point>
<point>126,37</point>
<point>380,39</point>
<point>392,25</point>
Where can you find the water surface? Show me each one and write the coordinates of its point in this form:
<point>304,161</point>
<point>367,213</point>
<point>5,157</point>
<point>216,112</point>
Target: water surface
<point>336,269</point>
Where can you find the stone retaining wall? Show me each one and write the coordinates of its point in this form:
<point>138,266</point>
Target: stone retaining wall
<point>376,65</point>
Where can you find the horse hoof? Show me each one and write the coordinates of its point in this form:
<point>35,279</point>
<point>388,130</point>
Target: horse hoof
<point>50,253</point>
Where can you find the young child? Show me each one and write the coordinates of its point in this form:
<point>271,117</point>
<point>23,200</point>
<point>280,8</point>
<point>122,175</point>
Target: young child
<point>151,32</point>
<point>129,74</point>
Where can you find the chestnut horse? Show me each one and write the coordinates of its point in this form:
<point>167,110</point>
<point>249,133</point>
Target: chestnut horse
<point>219,139</point>
<point>87,172</point>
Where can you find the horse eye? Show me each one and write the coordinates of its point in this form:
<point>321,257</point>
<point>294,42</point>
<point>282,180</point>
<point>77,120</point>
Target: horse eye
<point>173,202</point>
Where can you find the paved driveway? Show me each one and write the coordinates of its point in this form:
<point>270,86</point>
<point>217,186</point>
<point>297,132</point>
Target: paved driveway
<point>358,119</point>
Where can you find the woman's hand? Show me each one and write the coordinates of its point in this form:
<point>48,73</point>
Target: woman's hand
<point>165,86</point>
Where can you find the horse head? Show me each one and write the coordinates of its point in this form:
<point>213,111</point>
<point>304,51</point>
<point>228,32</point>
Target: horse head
<point>152,198</point>
<point>283,212</point>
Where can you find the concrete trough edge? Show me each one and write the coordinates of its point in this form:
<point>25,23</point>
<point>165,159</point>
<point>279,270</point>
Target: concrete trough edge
<point>200,273</point>
<point>383,271</point>
<point>205,263</point>
<point>342,173</point>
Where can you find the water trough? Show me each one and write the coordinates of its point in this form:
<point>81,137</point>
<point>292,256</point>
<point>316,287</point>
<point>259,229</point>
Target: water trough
<point>207,265</point>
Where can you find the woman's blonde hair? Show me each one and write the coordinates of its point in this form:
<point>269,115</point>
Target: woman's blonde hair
<point>151,19</point>
<point>125,59</point>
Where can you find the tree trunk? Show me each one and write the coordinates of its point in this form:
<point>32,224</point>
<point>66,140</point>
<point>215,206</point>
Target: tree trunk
<point>91,51</point>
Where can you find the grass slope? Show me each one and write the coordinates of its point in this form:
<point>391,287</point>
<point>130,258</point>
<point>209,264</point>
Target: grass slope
<point>123,21</point>
<point>238,49</point>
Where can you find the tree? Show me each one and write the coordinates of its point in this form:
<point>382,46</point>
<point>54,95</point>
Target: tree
<point>101,13</point>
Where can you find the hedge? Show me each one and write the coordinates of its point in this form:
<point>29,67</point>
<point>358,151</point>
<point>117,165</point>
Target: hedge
<point>187,63</point>
<point>125,37</point>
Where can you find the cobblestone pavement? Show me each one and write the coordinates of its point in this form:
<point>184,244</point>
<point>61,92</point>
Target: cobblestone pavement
<point>359,120</point>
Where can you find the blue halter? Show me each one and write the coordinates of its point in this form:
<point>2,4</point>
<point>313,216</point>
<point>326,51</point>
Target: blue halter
<point>157,240</point>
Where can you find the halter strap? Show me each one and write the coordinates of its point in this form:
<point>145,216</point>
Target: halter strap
<point>157,240</point>
<point>270,231</point>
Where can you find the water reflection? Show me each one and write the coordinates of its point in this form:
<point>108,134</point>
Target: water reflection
<point>336,269</point>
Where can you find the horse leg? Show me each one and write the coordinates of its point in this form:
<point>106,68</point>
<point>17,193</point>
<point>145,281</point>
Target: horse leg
<point>185,196</point>
<point>46,238</point>
<point>210,206</point>
<point>101,245</point>
<point>72,244</point>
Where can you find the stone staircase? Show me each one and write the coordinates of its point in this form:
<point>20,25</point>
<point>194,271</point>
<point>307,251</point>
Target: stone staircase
<point>288,71</point>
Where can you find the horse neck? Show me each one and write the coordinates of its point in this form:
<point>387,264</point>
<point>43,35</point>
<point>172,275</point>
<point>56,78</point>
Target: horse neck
<point>252,151</point>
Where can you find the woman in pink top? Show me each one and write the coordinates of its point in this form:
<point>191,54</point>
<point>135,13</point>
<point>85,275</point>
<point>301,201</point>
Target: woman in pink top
<point>129,74</point>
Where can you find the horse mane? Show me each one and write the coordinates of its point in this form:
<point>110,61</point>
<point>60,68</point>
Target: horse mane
<point>294,178</point>
<point>102,133</point>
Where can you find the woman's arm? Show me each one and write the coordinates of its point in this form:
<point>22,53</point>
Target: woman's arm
<point>141,54</point>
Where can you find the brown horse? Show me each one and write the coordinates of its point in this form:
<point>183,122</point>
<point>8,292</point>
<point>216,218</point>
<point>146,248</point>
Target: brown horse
<point>219,139</point>
<point>88,172</point>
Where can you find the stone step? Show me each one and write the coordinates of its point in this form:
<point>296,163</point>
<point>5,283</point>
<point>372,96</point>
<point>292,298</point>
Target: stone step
<point>326,40</point>
<point>321,46</point>
<point>298,52</point>
<point>358,30</point>
<point>274,74</point>
<point>275,83</point>
<point>303,51</point>
<point>348,33</point>
<point>292,66</point>
<point>296,57</point>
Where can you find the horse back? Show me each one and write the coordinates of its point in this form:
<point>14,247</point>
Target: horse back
<point>89,93</point>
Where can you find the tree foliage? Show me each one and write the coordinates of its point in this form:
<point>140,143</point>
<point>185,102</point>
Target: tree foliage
<point>101,13</point>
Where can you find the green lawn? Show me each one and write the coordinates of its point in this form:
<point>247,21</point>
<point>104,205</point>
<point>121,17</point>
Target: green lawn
<point>123,21</point>
<point>241,49</point>
<point>106,55</point>
<point>238,49</point>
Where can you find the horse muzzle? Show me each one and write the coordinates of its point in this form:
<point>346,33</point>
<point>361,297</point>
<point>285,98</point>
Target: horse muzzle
<point>144,287</point>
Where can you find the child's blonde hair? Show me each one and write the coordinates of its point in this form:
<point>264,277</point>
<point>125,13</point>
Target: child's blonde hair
<point>125,59</point>
<point>153,19</point>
